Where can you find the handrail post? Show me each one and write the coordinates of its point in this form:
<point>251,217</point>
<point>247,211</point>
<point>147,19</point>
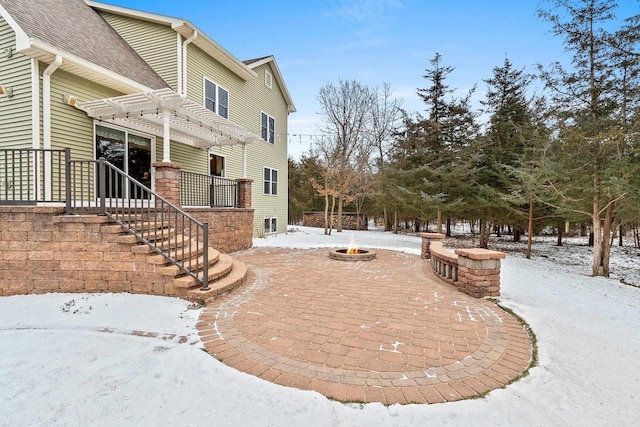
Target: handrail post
<point>102,187</point>
<point>67,179</point>
<point>205,254</point>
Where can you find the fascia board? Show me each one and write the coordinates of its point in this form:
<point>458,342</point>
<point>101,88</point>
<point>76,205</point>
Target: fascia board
<point>118,81</point>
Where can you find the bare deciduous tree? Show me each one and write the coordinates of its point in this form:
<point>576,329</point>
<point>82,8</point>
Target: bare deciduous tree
<point>346,108</point>
<point>386,115</point>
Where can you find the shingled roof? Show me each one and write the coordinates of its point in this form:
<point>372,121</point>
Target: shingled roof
<point>73,27</point>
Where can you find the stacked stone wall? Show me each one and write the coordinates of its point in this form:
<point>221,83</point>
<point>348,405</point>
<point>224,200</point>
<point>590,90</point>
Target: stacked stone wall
<point>350,220</point>
<point>42,250</point>
<point>230,230</point>
<point>474,271</point>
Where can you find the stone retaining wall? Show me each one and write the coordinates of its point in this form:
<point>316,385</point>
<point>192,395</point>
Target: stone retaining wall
<point>474,271</point>
<point>230,230</point>
<point>42,250</point>
<point>349,220</point>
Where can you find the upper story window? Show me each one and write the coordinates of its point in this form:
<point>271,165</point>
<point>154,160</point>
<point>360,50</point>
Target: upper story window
<point>268,128</point>
<point>268,79</point>
<point>216,98</point>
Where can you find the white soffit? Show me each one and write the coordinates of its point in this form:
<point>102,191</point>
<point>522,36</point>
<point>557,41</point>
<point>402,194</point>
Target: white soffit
<point>190,123</point>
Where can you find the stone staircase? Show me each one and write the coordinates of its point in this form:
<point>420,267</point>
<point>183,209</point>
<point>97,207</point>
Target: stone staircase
<point>224,272</point>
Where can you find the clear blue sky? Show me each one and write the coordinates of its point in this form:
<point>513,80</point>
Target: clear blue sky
<point>373,41</point>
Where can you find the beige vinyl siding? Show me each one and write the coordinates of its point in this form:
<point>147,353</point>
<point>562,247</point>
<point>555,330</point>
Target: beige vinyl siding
<point>155,43</point>
<point>192,159</point>
<point>15,112</point>
<point>201,65</point>
<point>263,154</point>
<point>71,127</point>
<point>247,99</point>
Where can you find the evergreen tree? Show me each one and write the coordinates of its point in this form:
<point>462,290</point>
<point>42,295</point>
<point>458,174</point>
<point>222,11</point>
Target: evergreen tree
<point>427,172</point>
<point>589,173</point>
<point>499,153</point>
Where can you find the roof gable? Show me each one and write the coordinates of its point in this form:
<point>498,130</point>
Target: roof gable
<point>271,60</point>
<point>72,27</point>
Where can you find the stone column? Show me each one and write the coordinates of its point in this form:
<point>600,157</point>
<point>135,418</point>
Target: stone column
<point>479,272</point>
<point>167,181</point>
<point>244,192</point>
<point>427,238</point>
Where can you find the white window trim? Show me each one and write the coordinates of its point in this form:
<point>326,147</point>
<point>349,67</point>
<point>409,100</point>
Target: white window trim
<point>273,130</point>
<point>128,131</point>
<point>218,87</point>
<point>268,79</point>
<point>217,153</point>
<point>270,218</point>
<point>270,181</point>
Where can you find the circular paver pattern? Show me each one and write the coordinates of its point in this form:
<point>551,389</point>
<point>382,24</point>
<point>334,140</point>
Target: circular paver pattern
<point>382,331</point>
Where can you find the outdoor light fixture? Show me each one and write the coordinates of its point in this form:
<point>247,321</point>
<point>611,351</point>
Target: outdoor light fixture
<point>6,91</point>
<point>8,52</point>
<point>69,100</point>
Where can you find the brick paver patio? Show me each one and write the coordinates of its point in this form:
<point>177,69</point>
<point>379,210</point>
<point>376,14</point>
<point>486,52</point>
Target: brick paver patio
<point>379,331</point>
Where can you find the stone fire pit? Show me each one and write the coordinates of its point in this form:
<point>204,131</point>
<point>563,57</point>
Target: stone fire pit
<point>355,255</point>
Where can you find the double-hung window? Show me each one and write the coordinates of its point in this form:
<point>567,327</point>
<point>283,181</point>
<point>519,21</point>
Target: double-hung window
<point>270,181</point>
<point>267,127</point>
<point>216,98</point>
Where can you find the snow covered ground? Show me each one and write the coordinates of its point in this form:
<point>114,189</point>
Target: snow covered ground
<point>118,359</point>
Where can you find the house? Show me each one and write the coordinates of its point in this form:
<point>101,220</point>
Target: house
<point>77,71</point>
<point>148,122</point>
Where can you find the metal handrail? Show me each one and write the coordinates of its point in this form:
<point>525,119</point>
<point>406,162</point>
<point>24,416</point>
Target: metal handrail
<point>143,213</point>
<point>30,176</point>
<point>207,190</point>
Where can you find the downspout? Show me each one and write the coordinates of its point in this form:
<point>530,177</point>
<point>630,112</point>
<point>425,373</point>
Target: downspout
<point>184,61</point>
<point>46,120</point>
<point>35,104</point>
<point>179,61</point>
<point>46,100</point>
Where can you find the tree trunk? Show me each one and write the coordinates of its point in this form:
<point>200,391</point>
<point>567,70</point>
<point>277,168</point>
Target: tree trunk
<point>387,219</point>
<point>530,230</point>
<point>448,227</point>
<point>606,240</point>
<point>339,224</point>
<point>333,209</point>
<point>620,242</point>
<point>560,234</point>
<point>326,209</point>
<point>395,222</point>
<point>416,225</point>
<point>439,222</point>
<point>484,234</point>
<point>516,234</point>
<point>598,240</point>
